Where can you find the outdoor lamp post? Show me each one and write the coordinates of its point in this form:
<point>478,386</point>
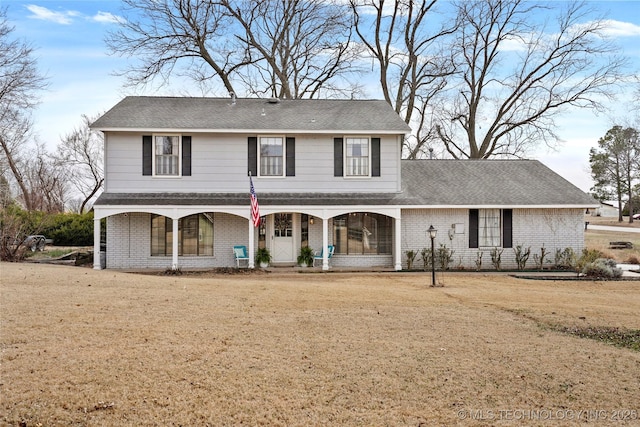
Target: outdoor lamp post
<point>432,234</point>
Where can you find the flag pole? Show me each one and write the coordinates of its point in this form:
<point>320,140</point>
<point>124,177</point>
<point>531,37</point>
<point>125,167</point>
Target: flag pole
<point>253,210</point>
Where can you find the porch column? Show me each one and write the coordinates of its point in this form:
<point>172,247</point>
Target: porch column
<point>96,244</point>
<point>325,244</point>
<point>174,261</point>
<point>251,244</point>
<point>398,244</point>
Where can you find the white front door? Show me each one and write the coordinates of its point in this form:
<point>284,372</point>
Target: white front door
<point>283,238</point>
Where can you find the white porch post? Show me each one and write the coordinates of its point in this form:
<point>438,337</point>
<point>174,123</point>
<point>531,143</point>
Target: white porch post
<point>96,244</point>
<point>174,261</point>
<point>325,244</point>
<point>251,244</point>
<point>398,244</point>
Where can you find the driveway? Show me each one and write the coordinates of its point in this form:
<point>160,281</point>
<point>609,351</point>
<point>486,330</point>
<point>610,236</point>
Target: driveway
<point>611,228</point>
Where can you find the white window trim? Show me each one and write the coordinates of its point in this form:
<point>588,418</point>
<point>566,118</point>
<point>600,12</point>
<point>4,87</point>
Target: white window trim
<point>344,156</point>
<point>284,156</point>
<point>153,155</point>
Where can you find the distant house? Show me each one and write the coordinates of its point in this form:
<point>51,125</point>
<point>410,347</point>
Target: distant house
<point>606,209</point>
<point>326,172</point>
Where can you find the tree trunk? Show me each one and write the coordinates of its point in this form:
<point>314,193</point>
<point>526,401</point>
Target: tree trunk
<point>26,196</point>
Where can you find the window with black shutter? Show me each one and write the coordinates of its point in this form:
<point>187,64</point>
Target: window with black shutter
<point>147,155</point>
<point>291,157</point>
<point>186,156</point>
<point>252,166</point>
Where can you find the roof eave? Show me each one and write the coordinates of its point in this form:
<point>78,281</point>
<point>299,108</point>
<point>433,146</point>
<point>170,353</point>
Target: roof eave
<point>254,131</point>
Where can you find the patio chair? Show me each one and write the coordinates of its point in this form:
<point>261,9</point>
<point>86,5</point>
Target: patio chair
<point>318,256</point>
<point>240,254</point>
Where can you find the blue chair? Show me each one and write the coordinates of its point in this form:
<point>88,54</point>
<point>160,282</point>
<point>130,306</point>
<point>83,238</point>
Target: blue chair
<point>240,254</point>
<point>318,256</point>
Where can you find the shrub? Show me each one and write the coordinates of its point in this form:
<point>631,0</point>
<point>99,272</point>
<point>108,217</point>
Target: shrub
<point>565,259</point>
<point>425,255</point>
<point>522,256</point>
<point>15,225</point>
<point>496,258</point>
<point>539,259</point>
<point>602,268</point>
<point>411,256</point>
<point>70,229</point>
<point>588,256</point>
<point>479,261</point>
<point>444,256</point>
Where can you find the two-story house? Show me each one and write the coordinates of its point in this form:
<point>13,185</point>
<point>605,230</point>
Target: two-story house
<point>326,172</point>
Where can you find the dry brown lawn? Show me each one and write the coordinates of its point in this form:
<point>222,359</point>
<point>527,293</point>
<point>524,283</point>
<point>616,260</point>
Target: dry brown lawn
<point>597,239</point>
<point>102,348</point>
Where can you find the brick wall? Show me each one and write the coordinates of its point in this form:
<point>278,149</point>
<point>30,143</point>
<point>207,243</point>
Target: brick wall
<point>129,243</point>
<point>128,239</point>
<point>535,228</point>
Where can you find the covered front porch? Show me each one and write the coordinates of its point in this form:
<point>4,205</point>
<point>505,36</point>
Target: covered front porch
<point>142,236</point>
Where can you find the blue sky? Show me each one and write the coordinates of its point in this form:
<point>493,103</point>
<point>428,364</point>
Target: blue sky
<point>68,37</point>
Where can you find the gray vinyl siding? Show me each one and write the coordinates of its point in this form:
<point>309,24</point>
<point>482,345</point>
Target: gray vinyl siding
<point>219,163</point>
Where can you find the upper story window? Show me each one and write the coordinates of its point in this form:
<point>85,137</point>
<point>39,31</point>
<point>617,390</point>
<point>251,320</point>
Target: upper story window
<point>357,156</point>
<point>166,155</point>
<point>271,156</point>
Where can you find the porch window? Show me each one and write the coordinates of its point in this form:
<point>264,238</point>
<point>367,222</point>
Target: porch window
<point>271,156</point>
<point>166,155</point>
<point>357,156</point>
<point>195,235</point>
<point>362,233</point>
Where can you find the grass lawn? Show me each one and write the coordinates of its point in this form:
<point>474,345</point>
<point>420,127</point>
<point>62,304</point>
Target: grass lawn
<point>103,348</point>
<point>597,239</point>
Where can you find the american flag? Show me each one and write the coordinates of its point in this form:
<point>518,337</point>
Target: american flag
<point>255,209</point>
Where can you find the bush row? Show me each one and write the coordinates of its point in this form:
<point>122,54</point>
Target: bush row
<point>591,262</point>
<point>65,229</point>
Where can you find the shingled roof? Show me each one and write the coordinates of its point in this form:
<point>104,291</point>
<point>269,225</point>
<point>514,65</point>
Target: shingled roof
<point>251,115</point>
<point>425,183</point>
<point>488,183</point>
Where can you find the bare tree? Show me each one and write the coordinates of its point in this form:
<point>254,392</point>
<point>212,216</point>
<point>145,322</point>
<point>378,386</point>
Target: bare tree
<point>289,48</point>
<point>162,34</point>
<point>81,154</point>
<point>412,67</point>
<point>19,84</point>
<point>297,47</point>
<point>515,75</point>
<point>45,181</point>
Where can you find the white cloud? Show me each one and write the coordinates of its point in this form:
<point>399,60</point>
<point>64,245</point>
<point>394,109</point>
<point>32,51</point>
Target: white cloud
<point>614,28</point>
<point>106,18</point>
<point>42,13</point>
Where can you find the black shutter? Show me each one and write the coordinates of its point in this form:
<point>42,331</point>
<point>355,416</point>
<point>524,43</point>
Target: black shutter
<point>337,157</point>
<point>507,228</point>
<point>473,228</point>
<point>375,156</point>
<point>253,156</point>
<point>186,156</point>
<point>147,155</point>
<point>291,157</point>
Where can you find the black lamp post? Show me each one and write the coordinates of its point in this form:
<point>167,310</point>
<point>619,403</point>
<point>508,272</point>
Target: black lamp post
<point>432,234</point>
